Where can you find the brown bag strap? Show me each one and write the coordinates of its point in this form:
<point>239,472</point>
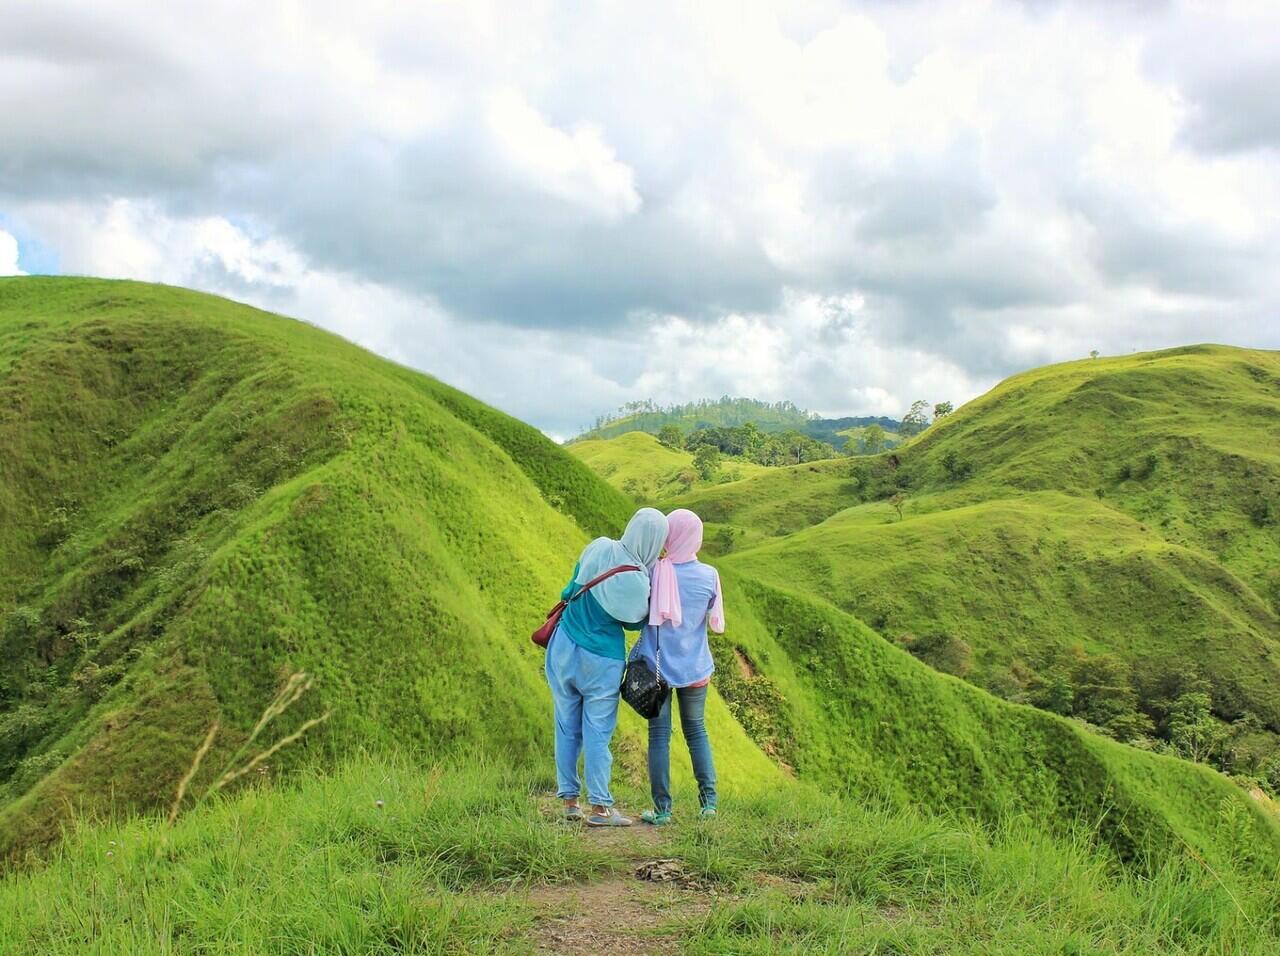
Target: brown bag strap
<point>601,577</point>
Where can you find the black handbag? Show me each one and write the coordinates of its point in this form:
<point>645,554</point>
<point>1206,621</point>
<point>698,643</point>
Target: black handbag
<point>643,687</point>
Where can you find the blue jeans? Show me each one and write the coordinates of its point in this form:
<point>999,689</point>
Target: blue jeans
<point>693,704</point>
<point>584,691</point>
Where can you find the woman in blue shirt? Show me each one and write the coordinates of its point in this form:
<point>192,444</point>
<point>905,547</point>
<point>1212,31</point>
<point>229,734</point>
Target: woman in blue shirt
<point>587,655</point>
<point>684,598</point>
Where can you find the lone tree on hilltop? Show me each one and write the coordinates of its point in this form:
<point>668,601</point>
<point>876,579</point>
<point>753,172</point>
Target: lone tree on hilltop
<point>917,419</point>
<point>873,439</point>
<point>670,436</point>
<point>942,410</point>
<point>707,461</point>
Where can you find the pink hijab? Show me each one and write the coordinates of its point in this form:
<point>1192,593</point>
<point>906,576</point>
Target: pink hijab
<point>684,538</point>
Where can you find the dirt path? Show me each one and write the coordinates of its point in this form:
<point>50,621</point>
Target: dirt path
<point>639,910</point>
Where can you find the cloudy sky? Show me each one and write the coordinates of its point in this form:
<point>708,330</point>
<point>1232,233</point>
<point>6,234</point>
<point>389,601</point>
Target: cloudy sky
<point>561,207</point>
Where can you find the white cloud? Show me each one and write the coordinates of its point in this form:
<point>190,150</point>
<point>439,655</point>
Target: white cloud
<point>849,205</point>
<point>9,255</point>
<point>579,166</point>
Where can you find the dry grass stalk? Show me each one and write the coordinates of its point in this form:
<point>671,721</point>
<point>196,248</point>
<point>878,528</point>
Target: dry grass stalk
<point>296,685</point>
<point>432,784</point>
<point>190,774</point>
<point>232,775</point>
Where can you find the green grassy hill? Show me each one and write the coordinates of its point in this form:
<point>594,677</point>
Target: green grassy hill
<point>637,463</point>
<point>1124,507</point>
<point>1185,440</point>
<point>198,499</point>
<point>769,417</point>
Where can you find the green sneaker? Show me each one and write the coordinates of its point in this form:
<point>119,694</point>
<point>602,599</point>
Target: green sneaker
<point>656,818</point>
<point>708,813</point>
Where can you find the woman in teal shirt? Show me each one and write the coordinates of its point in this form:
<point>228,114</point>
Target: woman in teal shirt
<point>587,655</point>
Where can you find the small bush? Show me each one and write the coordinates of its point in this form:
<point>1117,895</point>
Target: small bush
<point>1259,511</point>
<point>957,468</point>
<point>942,652</point>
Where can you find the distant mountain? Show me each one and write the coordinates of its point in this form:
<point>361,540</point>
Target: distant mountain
<point>833,430</point>
<point>728,412</point>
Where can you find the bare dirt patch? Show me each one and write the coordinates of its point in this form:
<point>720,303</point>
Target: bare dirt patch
<point>620,915</point>
<point>642,908</point>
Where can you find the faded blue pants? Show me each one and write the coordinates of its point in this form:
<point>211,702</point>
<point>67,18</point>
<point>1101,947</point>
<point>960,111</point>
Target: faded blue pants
<point>693,704</point>
<point>584,691</point>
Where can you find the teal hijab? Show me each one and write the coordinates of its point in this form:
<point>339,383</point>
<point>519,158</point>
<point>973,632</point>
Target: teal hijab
<point>625,597</point>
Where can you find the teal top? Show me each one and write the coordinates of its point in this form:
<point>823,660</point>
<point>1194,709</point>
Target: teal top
<point>591,627</point>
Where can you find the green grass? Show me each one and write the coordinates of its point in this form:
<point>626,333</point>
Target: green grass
<point>856,715</point>
<point>313,867</point>
<point>1125,506</point>
<point>197,499</point>
<point>1185,440</point>
<point>1025,579</point>
<point>637,463</point>
<point>817,876</point>
<point>445,863</point>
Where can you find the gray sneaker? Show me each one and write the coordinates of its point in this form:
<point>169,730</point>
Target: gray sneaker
<point>573,814</point>
<point>610,818</point>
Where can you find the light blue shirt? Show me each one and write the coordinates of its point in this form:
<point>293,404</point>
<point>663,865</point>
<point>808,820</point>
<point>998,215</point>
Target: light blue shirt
<point>686,656</point>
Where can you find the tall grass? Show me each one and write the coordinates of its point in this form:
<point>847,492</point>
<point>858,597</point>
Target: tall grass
<point>385,857</point>
<point>815,875</point>
<point>380,857</point>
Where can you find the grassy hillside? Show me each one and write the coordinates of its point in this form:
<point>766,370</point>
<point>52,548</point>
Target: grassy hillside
<point>1026,579</point>
<point>198,499</point>
<point>1106,510</point>
<point>1185,440</point>
<point>637,463</point>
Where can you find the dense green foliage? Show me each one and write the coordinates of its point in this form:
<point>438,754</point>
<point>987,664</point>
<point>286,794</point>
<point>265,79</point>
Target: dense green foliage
<point>789,447</point>
<point>647,416</point>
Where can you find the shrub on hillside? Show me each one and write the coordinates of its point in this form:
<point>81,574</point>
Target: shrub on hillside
<point>754,700</point>
<point>723,540</point>
<point>957,468</point>
<point>942,652</point>
<point>1193,731</point>
<point>1259,511</point>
